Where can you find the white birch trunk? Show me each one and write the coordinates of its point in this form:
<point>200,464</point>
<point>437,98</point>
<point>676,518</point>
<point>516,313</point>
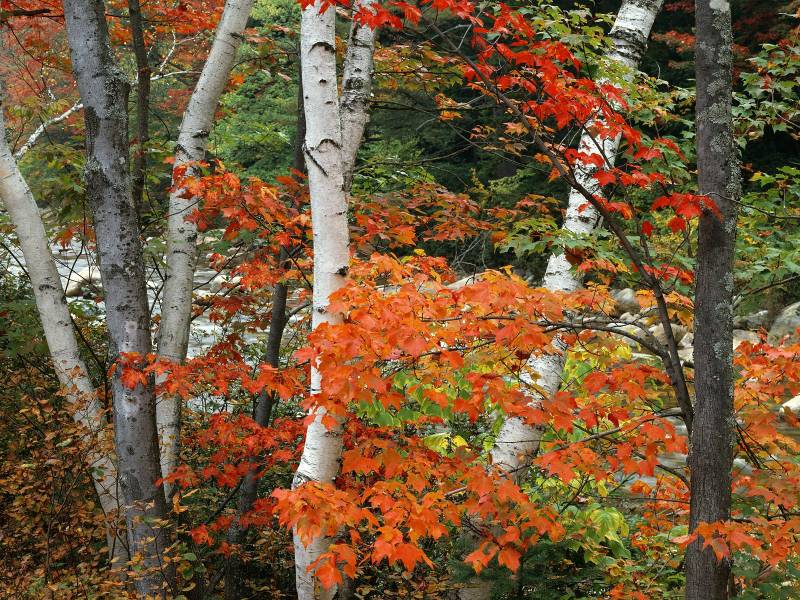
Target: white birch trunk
<point>357,74</point>
<point>323,150</point>
<point>181,255</point>
<point>104,92</point>
<point>517,442</point>
<point>51,305</point>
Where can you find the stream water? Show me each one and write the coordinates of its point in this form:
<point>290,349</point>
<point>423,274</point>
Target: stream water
<point>75,266</point>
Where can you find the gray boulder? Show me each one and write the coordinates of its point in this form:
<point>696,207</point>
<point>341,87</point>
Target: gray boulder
<point>678,331</point>
<point>626,301</point>
<point>786,325</point>
<point>742,335</point>
<point>687,356</point>
<point>755,320</point>
<point>793,404</point>
<point>687,341</point>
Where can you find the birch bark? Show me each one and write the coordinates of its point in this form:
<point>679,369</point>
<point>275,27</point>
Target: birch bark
<point>713,437</point>
<point>104,91</point>
<point>323,150</point>
<point>357,74</point>
<point>39,131</point>
<point>51,305</point>
<point>181,255</point>
<point>517,442</point>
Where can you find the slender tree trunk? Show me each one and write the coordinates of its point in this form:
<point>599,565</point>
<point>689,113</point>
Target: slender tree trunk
<point>60,334</point>
<point>517,442</point>
<point>41,129</point>
<point>323,148</point>
<point>262,414</point>
<point>357,74</point>
<point>262,411</point>
<point>142,102</point>
<point>181,256</point>
<point>104,92</point>
<point>712,438</point>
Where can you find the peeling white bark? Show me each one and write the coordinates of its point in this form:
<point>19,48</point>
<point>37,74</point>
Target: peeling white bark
<point>517,442</point>
<point>181,254</point>
<point>357,74</point>
<point>51,305</point>
<point>324,161</point>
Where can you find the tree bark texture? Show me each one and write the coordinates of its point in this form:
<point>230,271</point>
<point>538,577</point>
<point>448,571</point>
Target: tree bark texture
<point>323,151</point>
<point>712,439</point>
<point>357,74</point>
<point>181,253</point>
<point>139,170</point>
<point>104,92</point>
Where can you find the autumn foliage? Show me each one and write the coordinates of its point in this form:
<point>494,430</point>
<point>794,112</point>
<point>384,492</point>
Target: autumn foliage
<point>430,359</point>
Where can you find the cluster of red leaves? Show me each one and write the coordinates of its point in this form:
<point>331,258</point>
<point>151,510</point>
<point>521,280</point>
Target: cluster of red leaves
<point>547,91</point>
<point>423,319</point>
<point>237,446</point>
<point>277,217</point>
<point>217,372</point>
<point>235,441</point>
<point>686,206</point>
<point>490,328</point>
<point>272,212</point>
<point>393,13</point>
<point>426,213</point>
<point>681,42</point>
<point>394,493</point>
